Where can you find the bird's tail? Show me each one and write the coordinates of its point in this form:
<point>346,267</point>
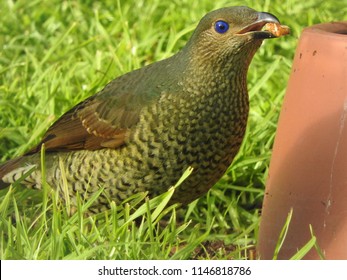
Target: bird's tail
<point>6,168</point>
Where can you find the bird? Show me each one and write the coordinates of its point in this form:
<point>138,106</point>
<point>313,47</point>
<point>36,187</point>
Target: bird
<point>146,127</point>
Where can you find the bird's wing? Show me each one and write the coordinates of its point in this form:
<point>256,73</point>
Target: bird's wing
<point>101,121</point>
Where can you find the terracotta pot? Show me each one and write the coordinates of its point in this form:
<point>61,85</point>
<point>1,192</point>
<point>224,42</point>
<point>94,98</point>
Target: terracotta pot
<point>308,169</point>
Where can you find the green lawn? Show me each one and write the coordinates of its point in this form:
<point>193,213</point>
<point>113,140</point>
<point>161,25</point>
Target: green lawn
<point>56,53</point>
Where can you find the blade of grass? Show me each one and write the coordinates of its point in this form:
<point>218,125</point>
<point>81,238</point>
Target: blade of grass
<point>283,234</point>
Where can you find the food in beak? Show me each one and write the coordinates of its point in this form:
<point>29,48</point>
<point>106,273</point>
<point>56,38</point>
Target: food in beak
<point>277,29</point>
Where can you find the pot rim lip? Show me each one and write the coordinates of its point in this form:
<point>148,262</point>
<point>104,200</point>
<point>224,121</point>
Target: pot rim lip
<point>336,29</point>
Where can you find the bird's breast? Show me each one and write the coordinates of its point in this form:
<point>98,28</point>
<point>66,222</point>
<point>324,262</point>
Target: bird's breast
<point>186,129</point>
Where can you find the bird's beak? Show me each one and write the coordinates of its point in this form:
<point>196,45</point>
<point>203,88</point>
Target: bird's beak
<point>255,28</point>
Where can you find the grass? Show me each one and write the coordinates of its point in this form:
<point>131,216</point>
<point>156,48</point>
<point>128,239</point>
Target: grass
<point>56,53</point>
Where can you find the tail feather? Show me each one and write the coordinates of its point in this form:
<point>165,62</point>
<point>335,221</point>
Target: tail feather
<point>8,167</point>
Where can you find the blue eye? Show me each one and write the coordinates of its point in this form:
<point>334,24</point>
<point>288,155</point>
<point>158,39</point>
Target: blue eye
<point>221,26</point>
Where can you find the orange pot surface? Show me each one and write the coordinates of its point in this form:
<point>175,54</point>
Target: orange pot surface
<point>308,169</point>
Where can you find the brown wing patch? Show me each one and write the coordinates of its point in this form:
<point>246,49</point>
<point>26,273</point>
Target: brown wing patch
<point>83,128</point>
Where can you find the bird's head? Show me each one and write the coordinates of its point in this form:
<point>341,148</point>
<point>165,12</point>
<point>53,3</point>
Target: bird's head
<point>228,35</point>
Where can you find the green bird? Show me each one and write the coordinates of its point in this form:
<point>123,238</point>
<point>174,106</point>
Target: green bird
<point>145,128</point>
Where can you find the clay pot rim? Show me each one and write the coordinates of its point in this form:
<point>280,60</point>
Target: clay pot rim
<point>335,29</point>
